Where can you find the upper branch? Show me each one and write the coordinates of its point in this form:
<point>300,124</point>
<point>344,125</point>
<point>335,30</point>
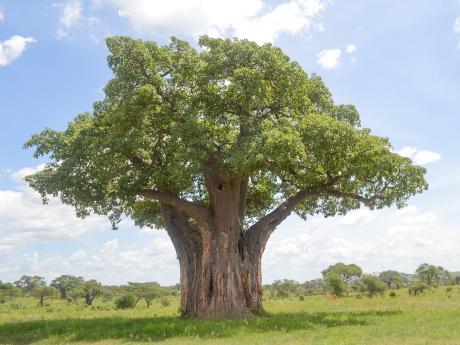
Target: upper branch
<point>365,200</point>
<point>192,209</point>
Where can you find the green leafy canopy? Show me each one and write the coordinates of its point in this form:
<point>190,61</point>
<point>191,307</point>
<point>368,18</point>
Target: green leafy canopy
<point>171,109</point>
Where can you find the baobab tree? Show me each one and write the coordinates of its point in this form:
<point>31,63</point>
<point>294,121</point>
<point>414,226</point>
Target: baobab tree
<point>218,145</point>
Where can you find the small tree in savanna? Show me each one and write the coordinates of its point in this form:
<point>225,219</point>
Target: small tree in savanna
<point>218,146</point>
<point>90,290</point>
<point>66,283</point>
<point>336,284</point>
<point>8,291</point>
<point>42,292</point>
<point>430,274</point>
<point>348,273</point>
<point>393,279</point>
<point>29,283</point>
<point>147,291</point>
<point>374,286</point>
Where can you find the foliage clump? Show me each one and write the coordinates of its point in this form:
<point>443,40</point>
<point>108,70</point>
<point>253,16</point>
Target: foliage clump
<point>127,301</point>
<point>374,286</point>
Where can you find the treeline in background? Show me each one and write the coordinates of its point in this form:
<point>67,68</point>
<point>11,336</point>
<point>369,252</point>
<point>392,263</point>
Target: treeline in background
<point>339,280</point>
<point>77,290</point>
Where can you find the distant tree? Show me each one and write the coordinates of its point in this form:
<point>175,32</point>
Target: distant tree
<point>348,273</point>
<point>430,274</point>
<point>374,286</point>
<point>91,290</point>
<point>8,291</point>
<point>43,292</point>
<point>147,291</point>
<point>109,293</point>
<point>445,277</point>
<point>457,280</point>
<point>284,288</point>
<point>336,284</point>
<point>66,283</point>
<point>393,279</point>
<point>29,283</point>
<point>218,145</point>
<point>357,286</point>
<point>315,287</point>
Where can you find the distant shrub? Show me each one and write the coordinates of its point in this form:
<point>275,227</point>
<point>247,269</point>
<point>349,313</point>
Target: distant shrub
<point>374,285</point>
<point>336,284</point>
<point>301,298</point>
<point>165,302</point>
<point>125,302</point>
<point>449,289</point>
<point>417,288</point>
<point>392,293</point>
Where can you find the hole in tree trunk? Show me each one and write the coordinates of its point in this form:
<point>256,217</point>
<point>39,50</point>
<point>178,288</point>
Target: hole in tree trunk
<point>211,288</point>
<point>220,187</point>
<point>240,248</point>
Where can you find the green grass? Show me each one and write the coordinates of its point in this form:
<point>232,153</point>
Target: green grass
<point>433,318</point>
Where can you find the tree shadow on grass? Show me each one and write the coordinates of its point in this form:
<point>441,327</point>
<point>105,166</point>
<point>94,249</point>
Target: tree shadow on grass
<point>161,328</point>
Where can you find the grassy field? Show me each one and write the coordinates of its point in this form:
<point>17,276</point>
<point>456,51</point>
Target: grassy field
<point>432,318</point>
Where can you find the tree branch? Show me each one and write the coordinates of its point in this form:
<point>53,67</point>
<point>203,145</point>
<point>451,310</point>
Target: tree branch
<point>259,232</point>
<point>192,209</point>
<point>366,201</point>
<point>243,197</point>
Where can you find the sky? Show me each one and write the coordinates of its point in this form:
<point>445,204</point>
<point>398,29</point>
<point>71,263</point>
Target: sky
<point>397,61</point>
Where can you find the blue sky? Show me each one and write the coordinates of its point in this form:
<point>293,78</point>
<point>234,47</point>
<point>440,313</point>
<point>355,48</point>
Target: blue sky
<point>397,61</point>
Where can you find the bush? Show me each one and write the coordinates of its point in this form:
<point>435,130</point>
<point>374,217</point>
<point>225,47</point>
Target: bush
<point>417,288</point>
<point>392,293</point>
<point>125,302</point>
<point>336,284</point>
<point>449,289</point>
<point>165,302</point>
<point>374,285</point>
<point>301,298</point>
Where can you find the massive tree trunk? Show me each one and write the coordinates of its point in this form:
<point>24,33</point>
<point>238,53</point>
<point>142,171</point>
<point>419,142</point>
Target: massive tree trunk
<point>220,260</point>
<point>220,270</point>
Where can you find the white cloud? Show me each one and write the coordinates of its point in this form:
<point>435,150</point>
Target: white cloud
<point>426,157</point>
<point>72,18</point>
<point>71,14</point>
<point>252,19</point>
<point>351,48</point>
<point>13,48</point>
<point>113,263</point>
<point>79,255</point>
<point>457,25</point>
<point>2,15</point>
<point>24,219</point>
<point>358,217</point>
<point>18,176</point>
<point>330,58</point>
<point>393,239</point>
<point>419,157</point>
